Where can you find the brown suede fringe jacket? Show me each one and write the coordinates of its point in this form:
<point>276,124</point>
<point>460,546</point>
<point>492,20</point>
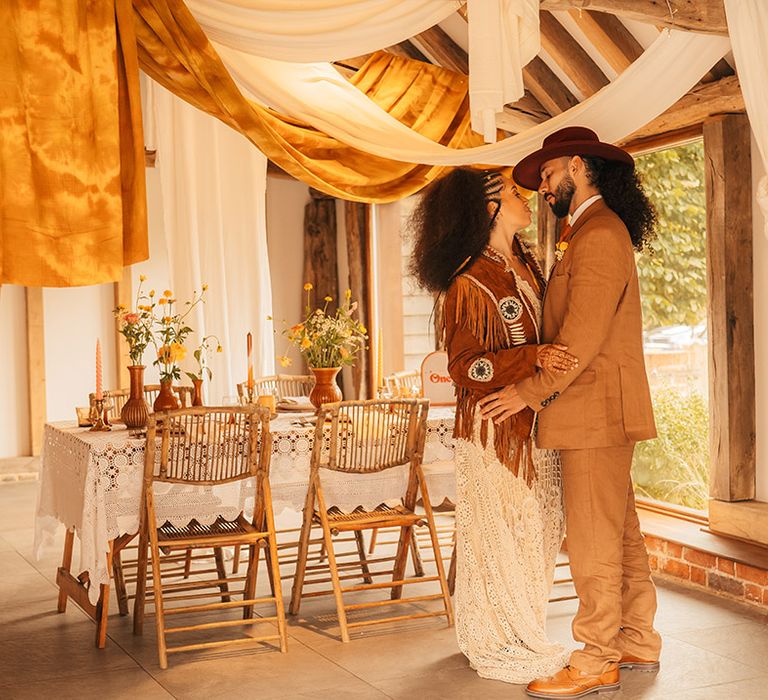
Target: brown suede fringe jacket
<point>491,338</point>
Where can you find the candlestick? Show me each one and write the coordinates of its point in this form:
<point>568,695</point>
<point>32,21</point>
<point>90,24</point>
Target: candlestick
<point>379,362</point>
<point>98,409</point>
<point>249,339</point>
<point>99,391</point>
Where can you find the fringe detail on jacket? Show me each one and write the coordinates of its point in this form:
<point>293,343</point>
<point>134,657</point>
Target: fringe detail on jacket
<point>512,439</point>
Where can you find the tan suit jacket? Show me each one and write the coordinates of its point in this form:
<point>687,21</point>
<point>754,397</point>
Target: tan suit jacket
<point>592,305</point>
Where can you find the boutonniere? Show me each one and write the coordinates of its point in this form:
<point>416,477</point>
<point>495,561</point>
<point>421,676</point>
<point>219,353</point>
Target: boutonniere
<point>560,249</point>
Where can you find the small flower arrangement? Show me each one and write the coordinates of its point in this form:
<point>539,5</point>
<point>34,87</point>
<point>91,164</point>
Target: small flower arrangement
<point>136,326</point>
<point>201,354</point>
<point>327,340</point>
<point>171,331</point>
<point>560,249</point>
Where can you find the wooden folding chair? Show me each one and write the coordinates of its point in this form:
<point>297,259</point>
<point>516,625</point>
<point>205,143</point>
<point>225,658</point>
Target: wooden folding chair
<point>208,447</point>
<point>366,437</point>
<point>114,400</point>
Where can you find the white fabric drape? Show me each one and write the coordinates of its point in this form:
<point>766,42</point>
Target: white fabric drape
<point>748,29</point>
<point>213,184</point>
<point>315,93</point>
<point>503,37</point>
<point>301,31</point>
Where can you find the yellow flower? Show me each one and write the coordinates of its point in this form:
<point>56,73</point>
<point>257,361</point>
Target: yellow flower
<point>219,348</point>
<point>205,287</point>
<point>307,287</point>
<point>178,352</point>
<point>362,328</point>
<point>348,294</point>
<point>164,354</point>
<point>151,292</point>
<point>344,353</point>
<point>121,307</point>
<point>306,343</point>
<point>328,298</point>
<point>167,293</point>
<point>142,278</point>
<point>269,318</point>
<point>162,300</point>
<point>167,319</point>
<point>285,361</point>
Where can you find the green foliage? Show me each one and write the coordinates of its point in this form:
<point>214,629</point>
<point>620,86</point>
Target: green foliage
<point>673,280</point>
<point>675,466</point>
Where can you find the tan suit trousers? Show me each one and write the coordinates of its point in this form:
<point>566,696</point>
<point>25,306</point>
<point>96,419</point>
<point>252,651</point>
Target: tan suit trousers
<point>609,562</point>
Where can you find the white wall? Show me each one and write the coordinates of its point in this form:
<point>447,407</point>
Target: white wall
<point>760,267</point>
<point>286,200</point>
<point>14,393</point>
<point>74,318</point>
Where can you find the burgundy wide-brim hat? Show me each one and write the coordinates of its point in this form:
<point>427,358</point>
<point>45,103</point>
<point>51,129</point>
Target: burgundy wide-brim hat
<point>571,141</point>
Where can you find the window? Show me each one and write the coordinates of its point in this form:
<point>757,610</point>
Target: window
<point>675,466</point>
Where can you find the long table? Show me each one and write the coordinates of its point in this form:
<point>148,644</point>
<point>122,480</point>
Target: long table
<point>91,483</point>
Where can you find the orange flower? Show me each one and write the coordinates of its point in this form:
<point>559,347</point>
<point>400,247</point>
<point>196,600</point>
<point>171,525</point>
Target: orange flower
<point>142,278</point>
<point>167,293</point>
<point>307,287</point>
<point>306,343</point>
<point>162,300</point>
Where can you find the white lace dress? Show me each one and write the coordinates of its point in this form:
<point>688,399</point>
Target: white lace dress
<point>508,536</point>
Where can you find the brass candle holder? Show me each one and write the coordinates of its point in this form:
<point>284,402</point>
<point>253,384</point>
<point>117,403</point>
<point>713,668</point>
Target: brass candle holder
<point>98,410</point>
<point>249,394</point>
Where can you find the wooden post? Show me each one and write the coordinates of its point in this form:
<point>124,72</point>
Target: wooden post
<point>547,226</point>
<point>123,291</point>
<point>358,225</point>
<point>730,308</point>
<point>36,367</point>
<point>320,261</point>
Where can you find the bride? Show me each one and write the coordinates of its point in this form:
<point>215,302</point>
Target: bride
<point>509,514</point>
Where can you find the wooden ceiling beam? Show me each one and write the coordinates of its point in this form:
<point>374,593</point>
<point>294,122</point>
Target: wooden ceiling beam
<point>705,100</point>
<point>570,56</point>
<point>440,49</point>
<point>406,49</point>
<point>547,88</point>
<point>610,37</point>
<point>706,16</point>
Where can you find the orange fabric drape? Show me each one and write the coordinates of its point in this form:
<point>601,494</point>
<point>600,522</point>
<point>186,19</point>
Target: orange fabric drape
<point>72,200</point>
<point>174,51</point>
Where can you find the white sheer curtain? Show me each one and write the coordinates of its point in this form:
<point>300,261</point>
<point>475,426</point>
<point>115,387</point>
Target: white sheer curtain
<point>748,28</point>
<point>315,93</point>
<point>213,184</point>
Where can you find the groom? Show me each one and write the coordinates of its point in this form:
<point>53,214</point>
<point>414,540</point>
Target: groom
<point>596,413</point>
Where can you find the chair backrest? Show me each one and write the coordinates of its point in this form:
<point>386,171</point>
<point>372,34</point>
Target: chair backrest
<point>280,385</point>
<point>208,445</point>
<point>407,383</point>
<point>114,400</point>
<point>370,436</point>
<point>185,394</point>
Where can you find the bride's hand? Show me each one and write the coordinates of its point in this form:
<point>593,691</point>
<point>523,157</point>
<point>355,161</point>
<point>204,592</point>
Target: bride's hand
<point>555,358</point>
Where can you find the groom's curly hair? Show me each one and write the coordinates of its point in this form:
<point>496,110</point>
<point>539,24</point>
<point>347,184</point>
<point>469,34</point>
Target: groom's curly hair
<point>622,190</point>
<point>451,226</point>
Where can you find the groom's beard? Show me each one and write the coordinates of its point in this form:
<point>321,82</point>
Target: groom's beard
<point>560,200</point>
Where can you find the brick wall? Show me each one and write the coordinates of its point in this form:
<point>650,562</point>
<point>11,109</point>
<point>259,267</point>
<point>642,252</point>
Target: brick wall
<point>706,571</point>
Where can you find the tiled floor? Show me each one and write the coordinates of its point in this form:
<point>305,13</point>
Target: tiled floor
<point>712,649</point>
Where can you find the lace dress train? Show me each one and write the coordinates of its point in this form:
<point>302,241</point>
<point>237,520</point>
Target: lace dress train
<point>508,535</point>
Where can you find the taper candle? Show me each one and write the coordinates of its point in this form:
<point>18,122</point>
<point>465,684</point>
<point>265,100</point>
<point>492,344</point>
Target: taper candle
<point>99,390</point>
<point>249,339</point>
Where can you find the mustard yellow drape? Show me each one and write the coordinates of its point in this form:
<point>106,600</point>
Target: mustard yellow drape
<point>174,51</point>
<point>72,200</point>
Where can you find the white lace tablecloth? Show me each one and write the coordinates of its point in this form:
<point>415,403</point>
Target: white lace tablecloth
<point>91,481</point>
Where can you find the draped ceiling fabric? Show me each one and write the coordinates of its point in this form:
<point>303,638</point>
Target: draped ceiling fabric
<point>317,95</point>
<point>72,200</point>
<point>289,30</point>
<point>748,28</point>
<point>175,52</point>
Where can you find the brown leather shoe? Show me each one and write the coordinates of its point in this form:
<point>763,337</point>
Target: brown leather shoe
<point>632,663</point>
<point>572,683</point>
